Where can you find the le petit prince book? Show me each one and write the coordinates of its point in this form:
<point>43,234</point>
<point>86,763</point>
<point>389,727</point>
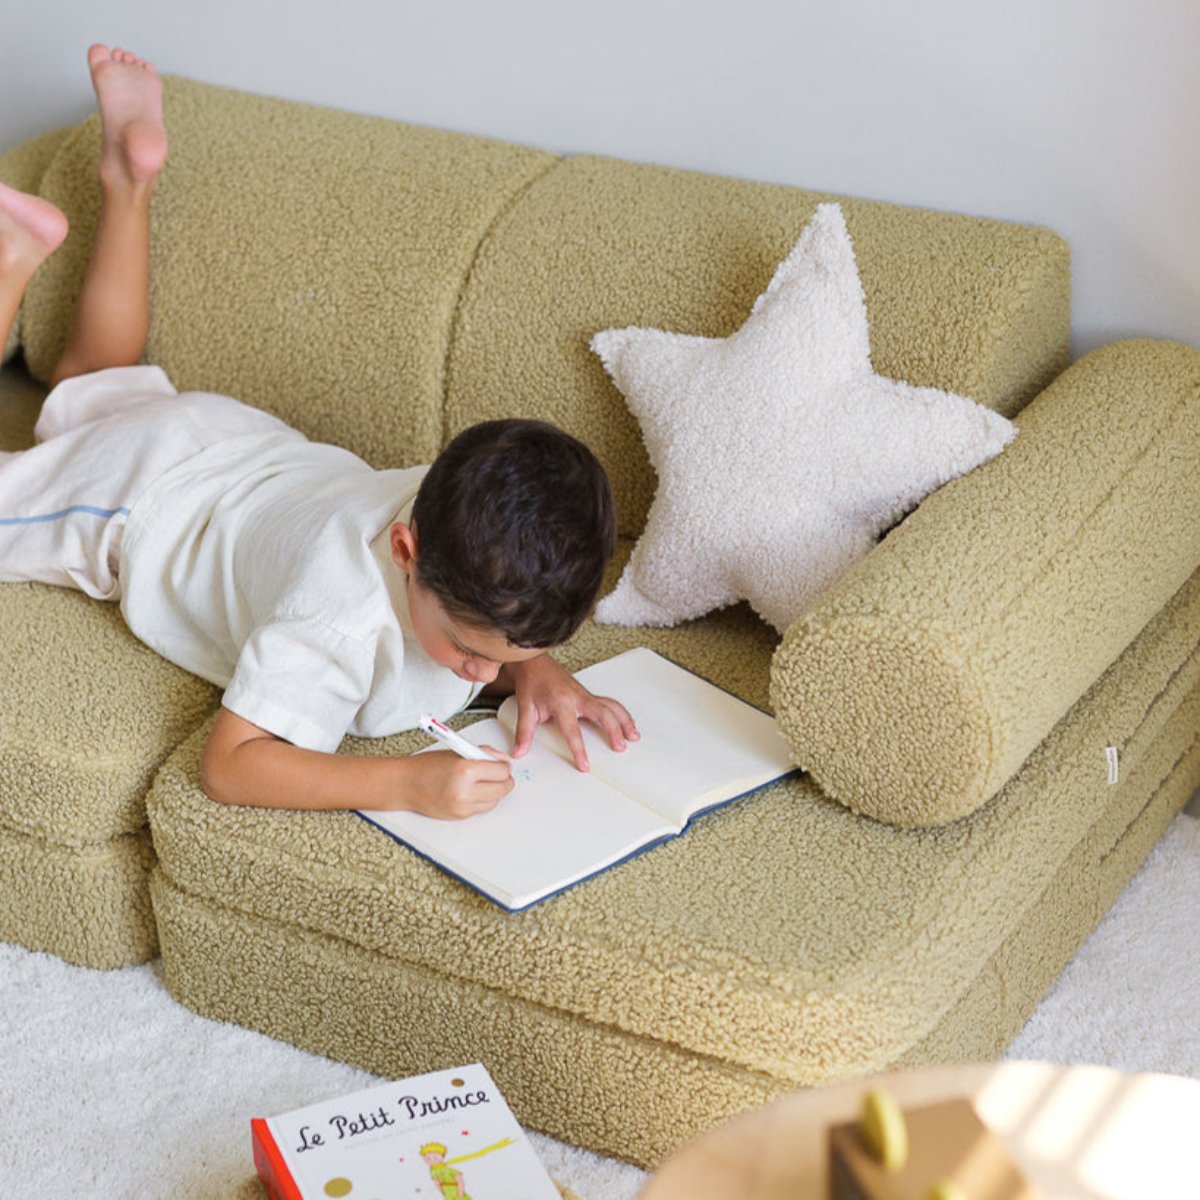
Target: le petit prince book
<point>445,1134</point>
<point>700,747</point>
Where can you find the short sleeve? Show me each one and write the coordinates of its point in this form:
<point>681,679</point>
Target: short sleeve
<point>302,681</point>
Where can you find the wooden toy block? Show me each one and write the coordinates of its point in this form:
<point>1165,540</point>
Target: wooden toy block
<point>939,1152</point>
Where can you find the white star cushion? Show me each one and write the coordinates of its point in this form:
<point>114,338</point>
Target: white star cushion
<point>781,455</point>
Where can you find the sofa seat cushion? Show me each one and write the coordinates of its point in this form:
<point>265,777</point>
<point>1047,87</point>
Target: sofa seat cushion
<point>783,934</point>
<point>97,713</point>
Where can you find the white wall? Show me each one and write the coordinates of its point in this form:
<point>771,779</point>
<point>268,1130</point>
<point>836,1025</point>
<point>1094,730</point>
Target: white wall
<point>1083,115</point>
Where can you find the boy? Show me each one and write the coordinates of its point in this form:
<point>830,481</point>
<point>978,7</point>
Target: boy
<point>324,596</point>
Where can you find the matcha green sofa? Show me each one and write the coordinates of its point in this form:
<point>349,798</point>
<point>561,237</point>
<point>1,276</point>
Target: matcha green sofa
<point>955,833</point>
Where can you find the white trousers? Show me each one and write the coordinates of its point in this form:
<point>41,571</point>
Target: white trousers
<point>100,440</point>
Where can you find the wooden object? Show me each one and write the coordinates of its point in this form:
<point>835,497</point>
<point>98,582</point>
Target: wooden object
<point>1076,1133</point>
<point>947,1143</point>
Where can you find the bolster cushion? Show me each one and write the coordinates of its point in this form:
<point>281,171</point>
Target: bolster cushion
<point>921,682</point>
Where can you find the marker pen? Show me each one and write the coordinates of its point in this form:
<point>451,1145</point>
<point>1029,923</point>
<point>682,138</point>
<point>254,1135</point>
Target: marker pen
<point>454,741</point>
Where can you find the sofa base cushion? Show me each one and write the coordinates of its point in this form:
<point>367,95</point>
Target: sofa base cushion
<point>89,715</point>
<point>590,1084</point>
<point>995,1007</point>
<point>783,936</point>
<point>89,905</point>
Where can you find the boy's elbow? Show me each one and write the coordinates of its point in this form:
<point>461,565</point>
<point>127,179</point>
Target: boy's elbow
<point>226,773</point>
<point>215,776</point>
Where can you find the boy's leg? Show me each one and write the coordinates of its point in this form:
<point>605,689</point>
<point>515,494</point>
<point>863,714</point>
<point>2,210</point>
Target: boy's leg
<point>31,229</point>
<point>113,315</point>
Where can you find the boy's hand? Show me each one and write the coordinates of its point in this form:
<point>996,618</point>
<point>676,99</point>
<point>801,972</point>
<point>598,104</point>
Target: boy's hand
<point>444,785</point>
<point>243,764</point>
<point>547,692</point>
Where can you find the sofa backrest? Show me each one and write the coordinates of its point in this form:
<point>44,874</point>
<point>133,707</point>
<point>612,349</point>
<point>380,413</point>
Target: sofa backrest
<point>304,260</point>
<point>979,307</point>
<point>383,285</point>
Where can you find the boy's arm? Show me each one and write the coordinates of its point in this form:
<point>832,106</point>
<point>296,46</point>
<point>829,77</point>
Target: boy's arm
<point>243,764</point>
<point>546,691</point>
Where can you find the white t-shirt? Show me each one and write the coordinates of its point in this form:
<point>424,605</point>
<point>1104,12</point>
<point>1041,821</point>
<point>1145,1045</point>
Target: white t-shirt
<point>263,564</point>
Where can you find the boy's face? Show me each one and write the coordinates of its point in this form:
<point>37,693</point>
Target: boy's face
<point>472,653</point>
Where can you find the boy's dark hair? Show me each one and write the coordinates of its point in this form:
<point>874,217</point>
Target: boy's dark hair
<point>515,527</point>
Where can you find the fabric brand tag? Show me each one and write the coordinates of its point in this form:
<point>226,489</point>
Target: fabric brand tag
<point>1110,753</point>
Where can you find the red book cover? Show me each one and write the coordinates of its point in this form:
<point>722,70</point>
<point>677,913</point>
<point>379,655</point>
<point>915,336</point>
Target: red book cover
<point>269,1163</point>
<point>448,1133</point>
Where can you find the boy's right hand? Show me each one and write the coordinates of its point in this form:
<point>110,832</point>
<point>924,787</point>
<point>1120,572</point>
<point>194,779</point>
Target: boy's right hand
<point>441,784</point>
<point>245,764</point>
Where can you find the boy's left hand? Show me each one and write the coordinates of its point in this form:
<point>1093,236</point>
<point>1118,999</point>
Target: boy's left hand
<point>546,691</point>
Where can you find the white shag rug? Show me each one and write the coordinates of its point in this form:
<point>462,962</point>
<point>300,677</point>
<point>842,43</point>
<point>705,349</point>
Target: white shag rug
<point>112,1090</point>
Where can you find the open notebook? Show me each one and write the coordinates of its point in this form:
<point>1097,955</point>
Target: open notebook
<point>700,747</point>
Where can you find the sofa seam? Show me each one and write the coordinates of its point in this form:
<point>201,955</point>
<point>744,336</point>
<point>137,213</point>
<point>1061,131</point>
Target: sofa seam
<point>500,213</point>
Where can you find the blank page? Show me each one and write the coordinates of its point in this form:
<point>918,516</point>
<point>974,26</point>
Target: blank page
<point>699,745</point>
<point>556,826</point>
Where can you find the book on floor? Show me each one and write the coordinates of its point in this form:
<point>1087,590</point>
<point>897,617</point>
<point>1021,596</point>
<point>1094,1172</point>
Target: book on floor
<point>700,747</point>
<point>446,1133</point>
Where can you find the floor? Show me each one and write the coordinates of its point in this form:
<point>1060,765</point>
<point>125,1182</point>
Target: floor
<point>1193,807</point>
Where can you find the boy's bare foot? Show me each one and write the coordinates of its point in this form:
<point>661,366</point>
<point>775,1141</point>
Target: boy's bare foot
<point>129,94</point>
<point>31,229</point>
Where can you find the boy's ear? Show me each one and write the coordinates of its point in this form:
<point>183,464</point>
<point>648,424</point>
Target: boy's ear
<point>404,546</point>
